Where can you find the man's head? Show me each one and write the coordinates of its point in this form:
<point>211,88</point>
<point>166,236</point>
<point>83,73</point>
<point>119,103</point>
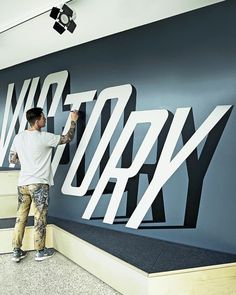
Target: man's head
<point>36,118</point>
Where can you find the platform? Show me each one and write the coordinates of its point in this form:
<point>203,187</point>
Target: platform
<point>134,264</point>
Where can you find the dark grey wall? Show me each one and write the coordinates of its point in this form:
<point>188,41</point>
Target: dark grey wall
<point>184,61</point>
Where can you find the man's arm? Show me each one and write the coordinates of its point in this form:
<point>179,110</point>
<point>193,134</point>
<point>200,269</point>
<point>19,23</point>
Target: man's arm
<point>13,158</point>
<point>69,135</point>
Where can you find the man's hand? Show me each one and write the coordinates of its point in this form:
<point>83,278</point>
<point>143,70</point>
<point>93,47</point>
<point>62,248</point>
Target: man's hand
<point>74,116</point>
<point>13,158</point>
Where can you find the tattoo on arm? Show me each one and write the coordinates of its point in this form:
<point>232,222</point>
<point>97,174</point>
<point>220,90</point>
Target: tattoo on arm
<point>13,158</point>
<point>69,135</point>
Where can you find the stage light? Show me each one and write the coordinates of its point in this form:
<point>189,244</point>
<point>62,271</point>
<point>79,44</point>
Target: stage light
<point>64,19</point>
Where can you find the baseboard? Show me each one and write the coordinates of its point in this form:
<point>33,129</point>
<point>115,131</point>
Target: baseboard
<point>124,277</point>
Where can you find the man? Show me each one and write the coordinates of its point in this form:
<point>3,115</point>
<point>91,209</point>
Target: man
<point>32,149</point>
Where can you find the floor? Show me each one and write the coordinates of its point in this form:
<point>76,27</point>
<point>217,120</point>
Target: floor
<point>55,276</point>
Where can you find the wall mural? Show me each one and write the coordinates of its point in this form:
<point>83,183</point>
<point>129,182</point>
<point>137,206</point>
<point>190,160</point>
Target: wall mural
<point>154,151</point>
<point>164,127</point>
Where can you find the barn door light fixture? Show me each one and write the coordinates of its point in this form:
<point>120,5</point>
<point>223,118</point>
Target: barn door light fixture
<point>64,19</point>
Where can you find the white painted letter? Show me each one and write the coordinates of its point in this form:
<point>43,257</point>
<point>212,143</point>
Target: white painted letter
<point>157,119</point>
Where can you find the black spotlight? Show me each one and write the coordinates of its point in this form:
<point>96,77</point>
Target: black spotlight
<point>64,19</point>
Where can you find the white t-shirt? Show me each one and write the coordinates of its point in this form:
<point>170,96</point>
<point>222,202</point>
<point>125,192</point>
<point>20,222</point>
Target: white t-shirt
<point>34,149</point>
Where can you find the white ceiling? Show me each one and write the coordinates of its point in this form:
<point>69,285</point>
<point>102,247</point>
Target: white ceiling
<point>95,18</point>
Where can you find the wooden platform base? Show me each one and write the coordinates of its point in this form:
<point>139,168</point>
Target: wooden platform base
<point>124,277</point>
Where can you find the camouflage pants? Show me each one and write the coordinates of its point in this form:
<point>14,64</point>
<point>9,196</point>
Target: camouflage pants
<point>38,193</point>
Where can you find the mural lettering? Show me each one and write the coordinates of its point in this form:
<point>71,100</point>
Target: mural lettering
<point>160,122</point>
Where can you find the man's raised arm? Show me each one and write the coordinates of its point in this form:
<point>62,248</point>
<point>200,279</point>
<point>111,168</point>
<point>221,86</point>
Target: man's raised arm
<point>70,134</point>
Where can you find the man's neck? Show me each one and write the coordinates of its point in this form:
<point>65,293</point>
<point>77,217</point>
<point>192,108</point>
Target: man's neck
<point>33,128</point>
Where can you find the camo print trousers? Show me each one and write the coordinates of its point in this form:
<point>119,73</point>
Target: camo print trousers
<point>38,194</point>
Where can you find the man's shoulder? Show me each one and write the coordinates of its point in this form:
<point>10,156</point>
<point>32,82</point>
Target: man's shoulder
<point>20,134</point>
<point>50,139</point>
<point>47,134</point>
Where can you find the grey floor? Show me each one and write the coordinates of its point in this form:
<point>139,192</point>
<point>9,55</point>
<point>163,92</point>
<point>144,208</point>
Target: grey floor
<point>54,276</point>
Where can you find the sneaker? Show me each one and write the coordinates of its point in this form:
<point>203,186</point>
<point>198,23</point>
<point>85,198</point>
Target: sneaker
<point>18,254</point>
<point>44,254</point>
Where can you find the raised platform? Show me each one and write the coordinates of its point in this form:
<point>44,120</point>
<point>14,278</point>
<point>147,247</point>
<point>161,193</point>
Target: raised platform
<point>134,264</point>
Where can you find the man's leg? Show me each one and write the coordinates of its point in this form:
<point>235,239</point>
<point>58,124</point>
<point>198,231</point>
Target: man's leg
<point>24,202</point>
<point>40,196</point>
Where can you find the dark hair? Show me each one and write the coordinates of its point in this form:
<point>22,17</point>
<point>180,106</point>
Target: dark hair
<point>33,114</point>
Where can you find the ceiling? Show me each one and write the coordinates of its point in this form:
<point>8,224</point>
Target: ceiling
<point>26,29</point>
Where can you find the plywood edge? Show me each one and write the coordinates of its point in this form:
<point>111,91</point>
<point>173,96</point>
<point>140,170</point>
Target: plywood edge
<point>9,171</point>
<point>188,270</point>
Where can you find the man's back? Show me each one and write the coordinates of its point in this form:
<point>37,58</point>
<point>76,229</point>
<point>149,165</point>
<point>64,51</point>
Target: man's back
<point>34,149</point>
